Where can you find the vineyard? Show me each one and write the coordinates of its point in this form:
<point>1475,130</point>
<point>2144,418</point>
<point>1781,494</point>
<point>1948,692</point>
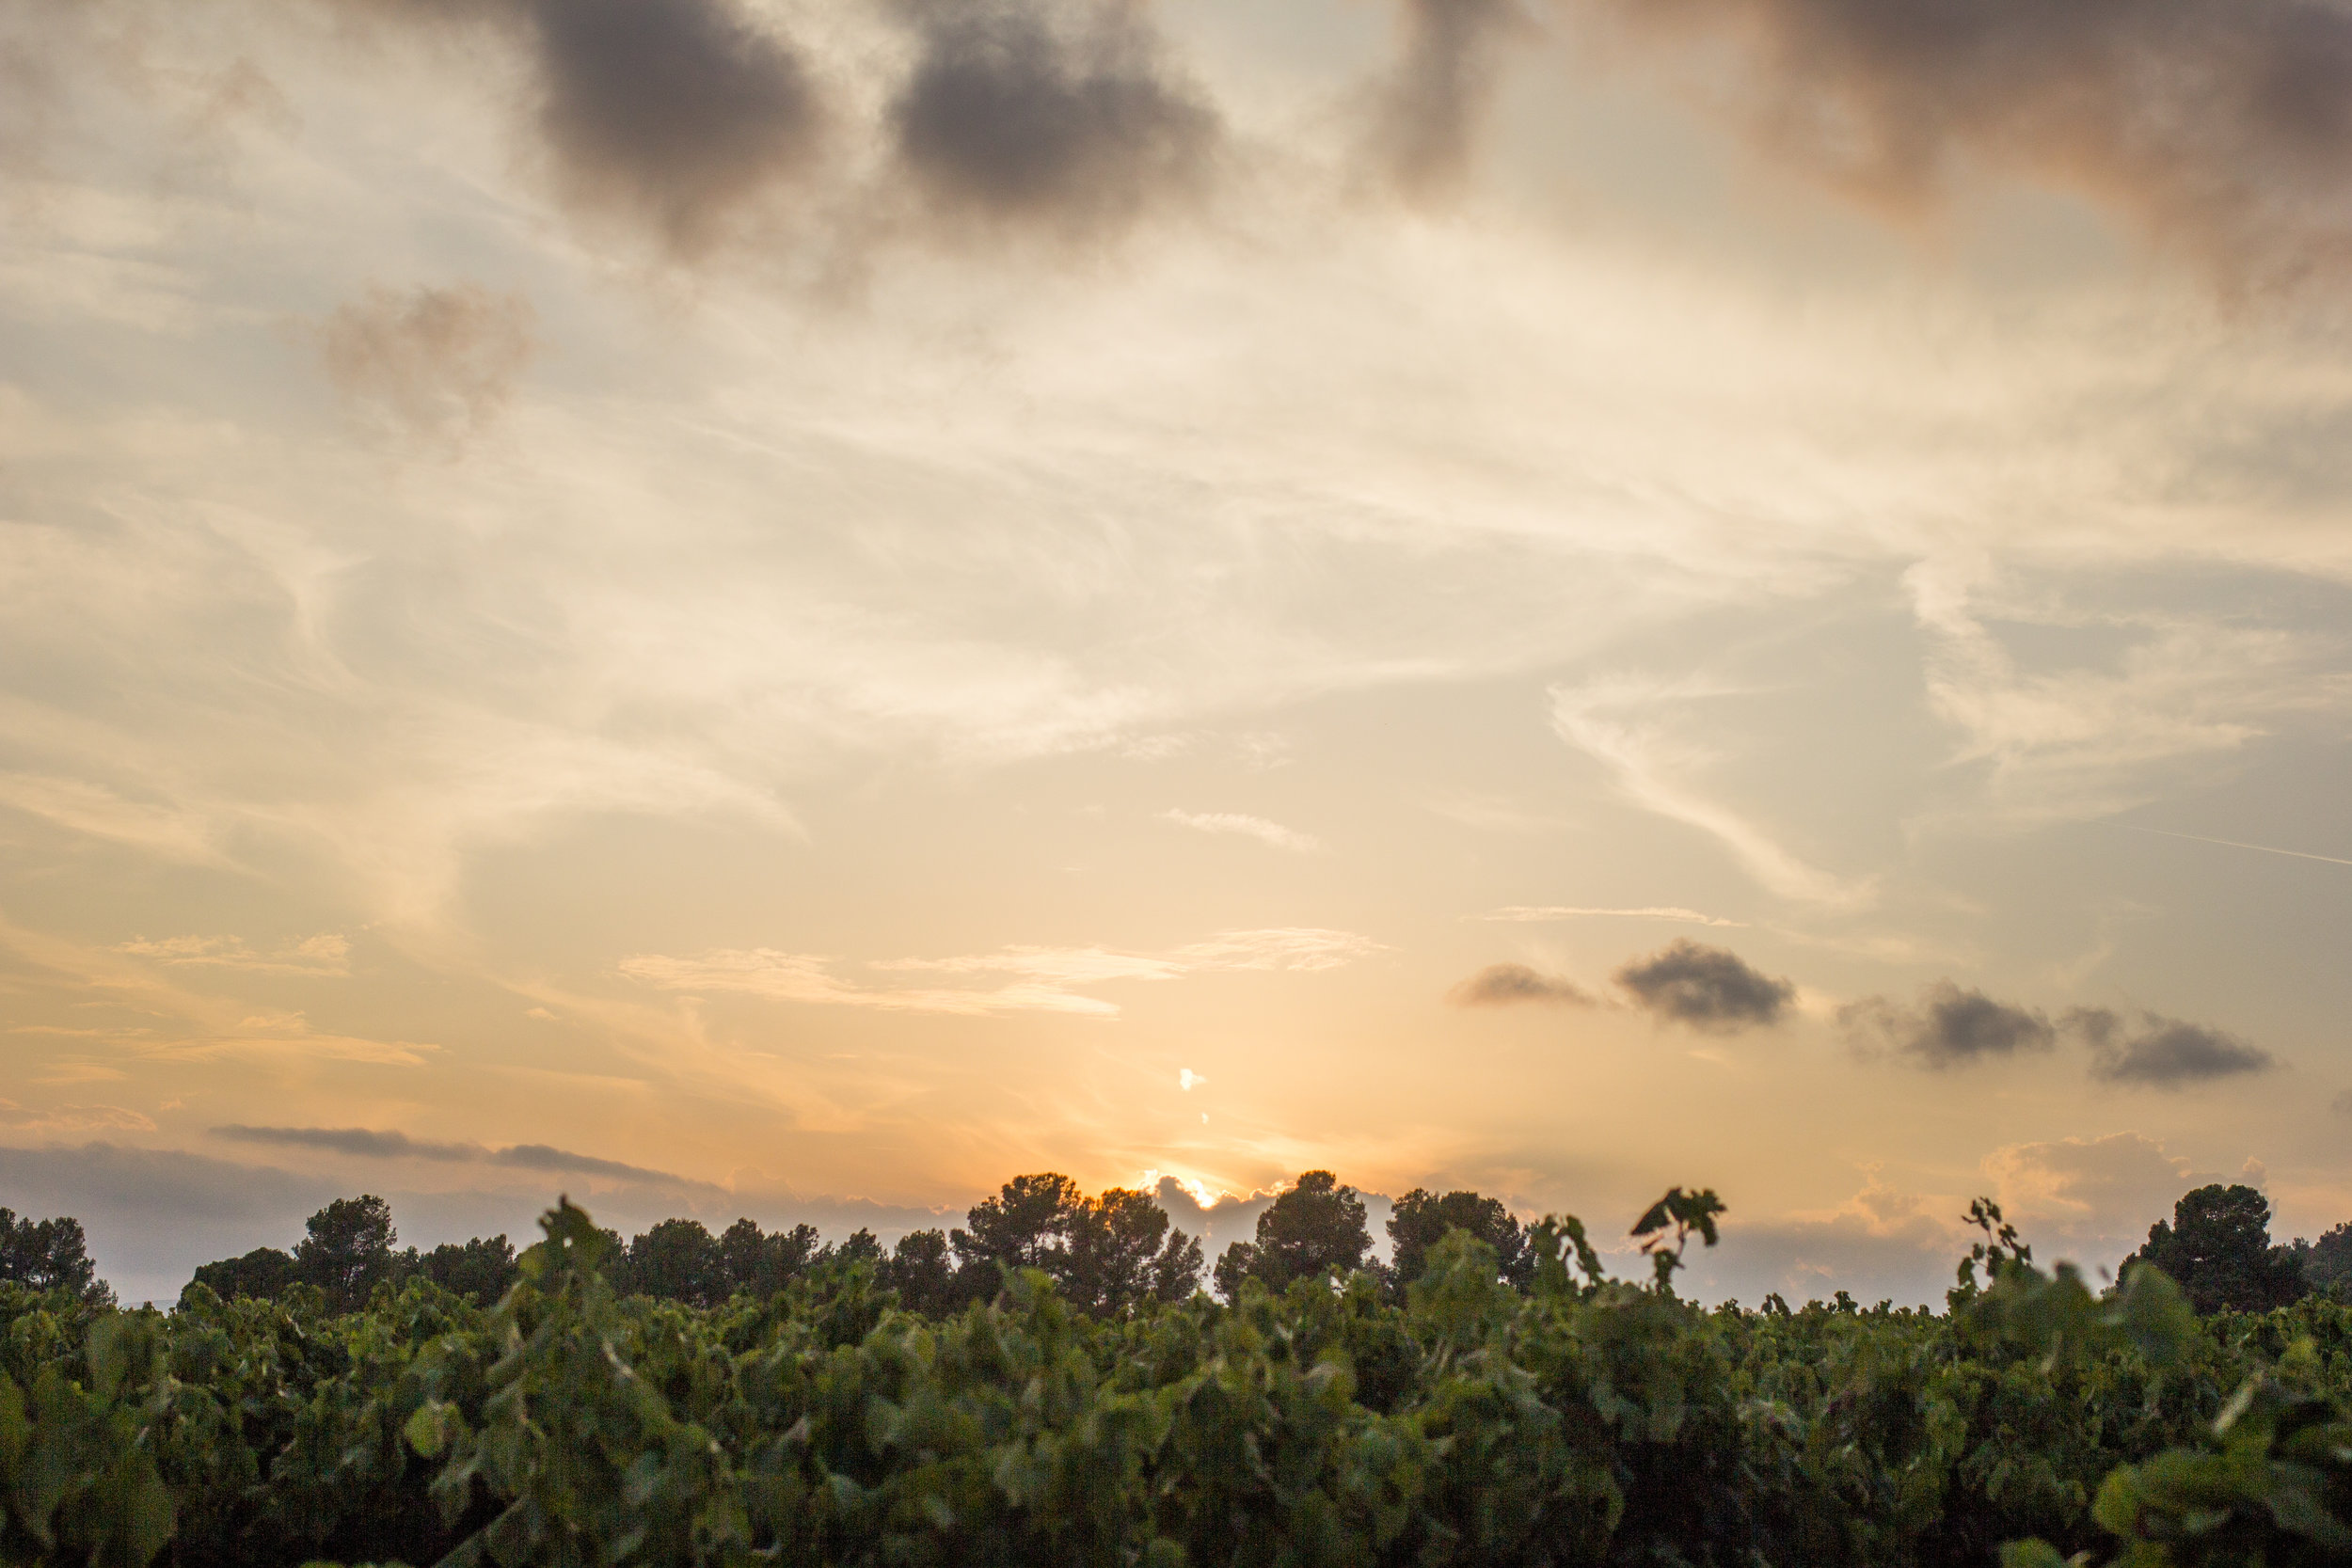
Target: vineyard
<point>1575,1419</point>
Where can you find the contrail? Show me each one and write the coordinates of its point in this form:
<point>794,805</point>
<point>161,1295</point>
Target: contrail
<point>2200,838</point>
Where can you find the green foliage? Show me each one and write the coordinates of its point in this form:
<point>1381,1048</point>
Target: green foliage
<point>1686,1213</point>
<point>1314,1229</point>
<point>2327,1262</point>
<point>348,1251</point>
<point>1420,1220</point>
<point>478,1270</point>
<point>49,1254</point>
<point>2217,1248</point>
<point>1326,1421</point>
<point>1107,1255</point>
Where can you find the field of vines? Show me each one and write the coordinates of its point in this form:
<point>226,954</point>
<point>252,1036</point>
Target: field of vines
<point>1578,1420</point>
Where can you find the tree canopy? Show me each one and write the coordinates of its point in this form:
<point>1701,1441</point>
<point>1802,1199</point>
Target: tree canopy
<point>2217,1248</point>
<point>2327,1262</point>
<point>50,1255</point>
<point>1108,1255</point>
<point>1314,1227</point>
<point>1420,1220</point>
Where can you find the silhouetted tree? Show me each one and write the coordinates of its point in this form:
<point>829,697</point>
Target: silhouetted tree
<point>1313,1228</point>
<point>2217,1249</point>
<point>50,1255</point>
<point>1106,1254</point>
<point>2327,1262</point>
<point>763,1264</point>
<point>348,1250</point>
<point>1025,1226</point>
<point>481,1270</point>
<point>1123,1255</point>
<point>1420,1220</point>
<point>260,1274</point>
<point>923,1274</point>
<point>677,1260</point>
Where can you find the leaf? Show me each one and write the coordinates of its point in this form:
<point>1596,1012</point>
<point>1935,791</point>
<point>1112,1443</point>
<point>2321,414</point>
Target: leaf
<point>428,1429</point>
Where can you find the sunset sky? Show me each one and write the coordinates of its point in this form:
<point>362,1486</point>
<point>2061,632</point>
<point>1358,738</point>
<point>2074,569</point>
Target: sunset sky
<point>793,608</point>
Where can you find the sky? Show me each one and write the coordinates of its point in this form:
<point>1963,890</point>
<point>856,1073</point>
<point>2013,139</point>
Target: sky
<point>777,607</point>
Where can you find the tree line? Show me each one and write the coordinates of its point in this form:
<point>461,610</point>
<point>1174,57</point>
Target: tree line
<point>1461,1422</point>
<point>1108,1255</point>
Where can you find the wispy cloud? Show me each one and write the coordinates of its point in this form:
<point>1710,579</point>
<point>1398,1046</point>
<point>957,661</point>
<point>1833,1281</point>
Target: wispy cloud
<point>1652,769</point>
<point>163,1022</point>
<point>1247,826</point>
<point>327,953</point>
<point>436,363</point>
<point>1039,979</point>
<point>371,1143</point>
<point>2086,741</point>
<point>167,830</point>
<point>74,1119</point>
<point>2235,843</point>
<point>1534,912</point>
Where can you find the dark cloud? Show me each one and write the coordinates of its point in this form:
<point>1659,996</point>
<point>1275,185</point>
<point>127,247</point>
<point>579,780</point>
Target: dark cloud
<point>1500,984</point>
<point>1056,114</point>
<point>436,363</point>
<point>1427,108</point>
<point>351,1140</point>
<point>1949,1026</point>
<point>679,113</point>
<point>399,1146</point>
<point>2224,126</point>
<point>28,95</point>
<point>544,1157</point>
<point>2342,1104</point>
<point>2164,1053</point>
<point>153,1215</point>
<point>676,111</point>
<point>1707,987</point>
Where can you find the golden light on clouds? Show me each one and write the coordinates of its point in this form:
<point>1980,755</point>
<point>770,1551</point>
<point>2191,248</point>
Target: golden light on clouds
<point>1205,589</point>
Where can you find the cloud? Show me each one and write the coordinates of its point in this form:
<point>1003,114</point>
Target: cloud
<point>327,953</point>
<point>1563,911</point>
<point>678,114</point>
<point>1303,947</point>
<point>678,111</point>
<point>352,1140</point>
<point>1060,114</point>
<point>1501,985</point>
<point>2162,1052</point>
<point>1188,1080</point>
<point>1044,979</point>
<point>436,363</point>
<point>2085,741</point>
<point>73,1118</point>
<point>1881,1242</point>
<point>1707,987</point>
<point>2221,126</point>
<point>1949,1026</point>
<point>1249,827</point>
<point>2090,1199</point>
<point>2342,1104</point>
<point>1427,108</point>
<point>83,807</point>
<point>1600,719</point>
<point>153,1215</point>
<point>385,1145</point>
